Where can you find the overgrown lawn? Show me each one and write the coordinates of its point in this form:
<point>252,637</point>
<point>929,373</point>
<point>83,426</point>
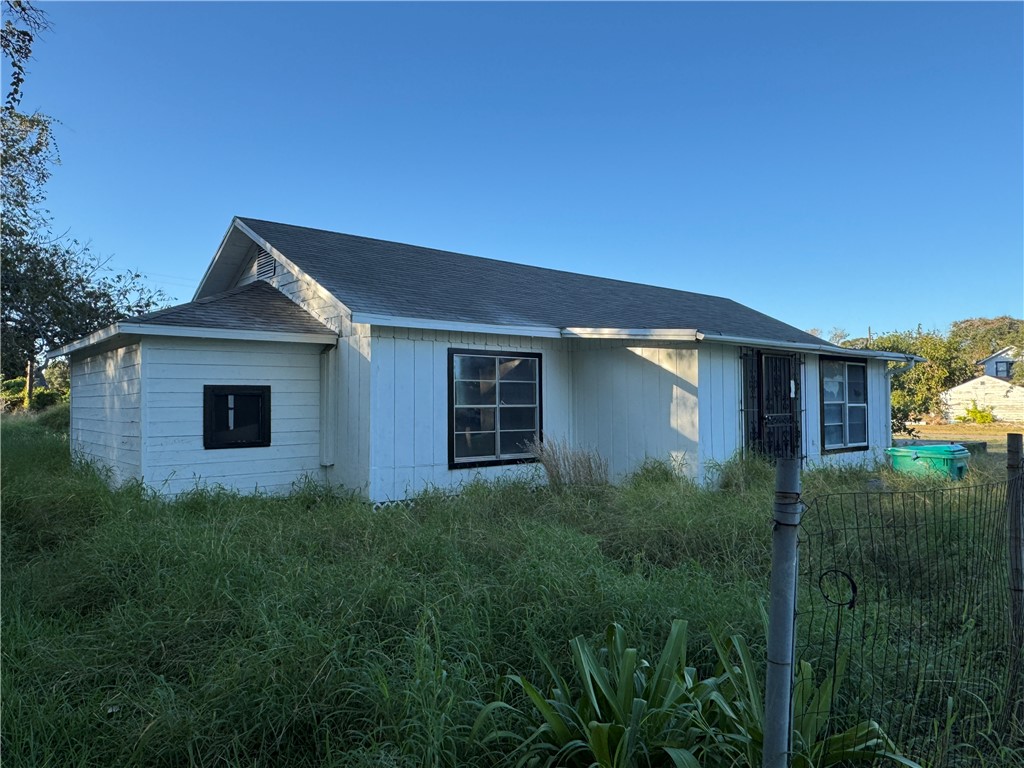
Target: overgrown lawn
<point>311,630</point>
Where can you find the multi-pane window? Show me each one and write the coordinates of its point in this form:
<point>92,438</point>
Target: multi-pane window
<point>236,416</point>
<point>495,408</point>
<point>1004,368</point>
<point>844,404</point>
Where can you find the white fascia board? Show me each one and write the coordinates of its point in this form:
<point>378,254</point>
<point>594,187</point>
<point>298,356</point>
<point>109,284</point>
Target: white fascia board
<point>825,349</point>
<point>661,334</point>
<point>191,332</point>
<point>215,259</point>
<point>142,329</point>
<point>288,263</point>
<point>394,321</point>
<point>1004,352</point>
<point>97,337</point>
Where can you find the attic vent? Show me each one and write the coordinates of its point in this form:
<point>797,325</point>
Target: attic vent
<point>265,264</point>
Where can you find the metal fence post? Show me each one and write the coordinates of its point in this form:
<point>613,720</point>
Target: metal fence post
<point>778,708</point>
<point>1015,523</point>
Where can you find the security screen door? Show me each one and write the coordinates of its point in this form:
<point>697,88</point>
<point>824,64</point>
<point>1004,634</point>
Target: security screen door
<point>771,403</point>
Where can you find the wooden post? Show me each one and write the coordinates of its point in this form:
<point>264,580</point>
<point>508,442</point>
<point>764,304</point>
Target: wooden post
<point>1015,523</point>
<point>778,690</point>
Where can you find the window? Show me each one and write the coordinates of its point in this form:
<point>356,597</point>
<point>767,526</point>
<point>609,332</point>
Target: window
<point>1003,368</point>
<point>844,405</point>
<point>236,416</point>
<point>494,407</point>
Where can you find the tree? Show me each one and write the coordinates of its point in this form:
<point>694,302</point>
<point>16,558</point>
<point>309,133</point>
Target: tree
<point>916,392</point>
<point>979,337</point>
<point>54,289</point>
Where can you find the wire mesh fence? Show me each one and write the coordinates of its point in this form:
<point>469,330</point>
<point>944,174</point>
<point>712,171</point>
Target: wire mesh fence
<point>906,595</point>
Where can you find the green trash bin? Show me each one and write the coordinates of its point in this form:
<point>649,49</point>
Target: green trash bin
<point>947,460</point>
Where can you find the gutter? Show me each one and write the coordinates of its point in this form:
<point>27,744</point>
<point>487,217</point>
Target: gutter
<point>688,334</point>
<point>827,349</point>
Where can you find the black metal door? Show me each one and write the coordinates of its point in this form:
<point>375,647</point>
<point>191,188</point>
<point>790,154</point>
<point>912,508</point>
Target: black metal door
<point>772,403</point>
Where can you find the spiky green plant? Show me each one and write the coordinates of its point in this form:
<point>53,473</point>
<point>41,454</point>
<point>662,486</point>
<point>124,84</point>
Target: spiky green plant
<point>625,713</point>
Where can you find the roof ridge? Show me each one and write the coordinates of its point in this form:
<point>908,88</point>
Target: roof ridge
<point>462,255</point>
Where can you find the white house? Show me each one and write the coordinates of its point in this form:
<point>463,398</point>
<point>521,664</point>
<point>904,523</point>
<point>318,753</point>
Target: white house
<point>390,368</point>
<point>1000,364</point>
<point>1005,400</point>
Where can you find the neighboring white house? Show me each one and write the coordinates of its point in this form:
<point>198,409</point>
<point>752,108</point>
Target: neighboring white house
<point>1000,364</point>
<point>1005,400</point>
<point>389,368</point>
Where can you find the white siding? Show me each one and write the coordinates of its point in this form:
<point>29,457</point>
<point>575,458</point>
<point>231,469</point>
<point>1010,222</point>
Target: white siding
<point>311,297</point>
<point>1005,399</point>
<point>176,370</point>
<point>106,411</point>
<point>1009,356</point>
<point>634,403</point>
<point>720,405</point>
<point>879,417</point>
<point>409,407</point>
<point>350,419</point>
<point>352,446</point>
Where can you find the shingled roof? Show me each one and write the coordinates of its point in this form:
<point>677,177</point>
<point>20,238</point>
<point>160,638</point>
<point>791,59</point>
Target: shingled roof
<point>257,306</point>
<point>393,279</point>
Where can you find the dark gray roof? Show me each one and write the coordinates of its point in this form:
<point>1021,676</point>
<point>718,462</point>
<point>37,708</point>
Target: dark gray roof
<point>382,277</point>
<point>253,307</point>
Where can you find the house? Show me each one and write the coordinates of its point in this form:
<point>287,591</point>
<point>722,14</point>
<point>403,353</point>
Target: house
<point>991,391</point>
<point>1000,364</point>
<point>390,368</point>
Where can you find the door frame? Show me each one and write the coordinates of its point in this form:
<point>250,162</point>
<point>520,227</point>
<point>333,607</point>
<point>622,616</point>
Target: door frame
<point>772,440</point>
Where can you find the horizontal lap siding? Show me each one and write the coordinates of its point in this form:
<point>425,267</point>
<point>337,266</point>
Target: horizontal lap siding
<point>106,411</point>
<point>176,371</point>
<point>409,407</point>
<point>636,403</point>
<point>1005,399</point>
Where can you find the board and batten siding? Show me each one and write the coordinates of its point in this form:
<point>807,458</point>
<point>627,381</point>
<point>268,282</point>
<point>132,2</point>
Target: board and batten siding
<point>106,411</point>
<point>177,369</point>
<point>720,406</point>
<point>636,403</point>
<point>409,407</point>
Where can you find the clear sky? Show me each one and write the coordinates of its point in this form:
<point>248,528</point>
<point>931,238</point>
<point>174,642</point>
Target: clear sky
<point>833,165</point>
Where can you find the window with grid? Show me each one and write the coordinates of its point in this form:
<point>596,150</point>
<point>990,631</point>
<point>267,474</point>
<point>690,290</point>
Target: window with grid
<point>1004,368</point>
<point>844,405</point>
<point>494,407</point>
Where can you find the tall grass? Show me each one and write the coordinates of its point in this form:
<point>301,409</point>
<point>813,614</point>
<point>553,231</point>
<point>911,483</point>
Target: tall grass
<point>220,629</point>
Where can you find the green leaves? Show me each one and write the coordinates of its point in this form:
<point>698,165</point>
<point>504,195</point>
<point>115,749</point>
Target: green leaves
<point>626,713</point>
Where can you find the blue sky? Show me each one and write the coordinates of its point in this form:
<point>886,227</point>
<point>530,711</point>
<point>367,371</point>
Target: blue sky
<point>833,165</point>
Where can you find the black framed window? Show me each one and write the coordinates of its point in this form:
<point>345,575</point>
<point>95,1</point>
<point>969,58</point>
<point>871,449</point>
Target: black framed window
<point>236,416</point>
<point>1004,368</point>
<point>494,407</point>
<point>844,405</point>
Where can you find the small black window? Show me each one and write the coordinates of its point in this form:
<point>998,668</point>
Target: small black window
<point>236,416</point>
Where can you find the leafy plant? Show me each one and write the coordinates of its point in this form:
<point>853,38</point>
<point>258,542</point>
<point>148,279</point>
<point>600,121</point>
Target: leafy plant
<point>976,415</point>
<point>625,712</point>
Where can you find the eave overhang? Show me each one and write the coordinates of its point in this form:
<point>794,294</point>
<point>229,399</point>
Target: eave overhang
<point>109,336</point>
